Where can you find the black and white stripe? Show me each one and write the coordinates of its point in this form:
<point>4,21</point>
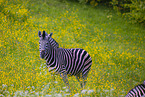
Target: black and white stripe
<point>137,91</point>
<point>62,61</point>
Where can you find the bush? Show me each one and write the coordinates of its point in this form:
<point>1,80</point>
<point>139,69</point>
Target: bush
<point>94,2</point>
<point>137,11</point>
<point>134,9</point>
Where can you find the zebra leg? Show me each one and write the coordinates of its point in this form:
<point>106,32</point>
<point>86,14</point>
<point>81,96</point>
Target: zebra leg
<point>84,79</point>
<point>53,77</point>
<point>85,75</point>
<point>64,77</point>
<point>80,79</point>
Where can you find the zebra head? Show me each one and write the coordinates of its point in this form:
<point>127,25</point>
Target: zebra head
<point>44,43</point>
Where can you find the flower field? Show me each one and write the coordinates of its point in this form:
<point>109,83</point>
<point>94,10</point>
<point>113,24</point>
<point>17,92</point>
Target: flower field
<point>117,48</point>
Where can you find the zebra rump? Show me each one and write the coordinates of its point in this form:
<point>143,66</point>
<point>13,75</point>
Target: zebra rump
<point>137,91</point>
<point>62,61</point>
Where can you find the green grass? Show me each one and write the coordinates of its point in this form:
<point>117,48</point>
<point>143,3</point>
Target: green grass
<point>116,48</point>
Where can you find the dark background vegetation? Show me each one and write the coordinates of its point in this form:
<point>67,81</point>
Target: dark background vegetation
<point>134,10</point>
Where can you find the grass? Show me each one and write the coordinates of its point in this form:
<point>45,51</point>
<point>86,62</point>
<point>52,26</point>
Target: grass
<point>116,48</point>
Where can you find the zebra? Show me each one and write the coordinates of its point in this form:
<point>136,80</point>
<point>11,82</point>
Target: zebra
<point>137,91</point>
<point>65,62</point>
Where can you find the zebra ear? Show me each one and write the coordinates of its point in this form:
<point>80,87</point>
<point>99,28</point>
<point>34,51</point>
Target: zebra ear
<point>44,34</point>
<point>39,33</point>
<point>50,34</point>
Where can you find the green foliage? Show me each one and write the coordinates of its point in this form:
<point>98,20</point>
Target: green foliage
<point>133,9</point>
<point>137,11</point>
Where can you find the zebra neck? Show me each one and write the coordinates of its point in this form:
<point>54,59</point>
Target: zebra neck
<point>51,58</point>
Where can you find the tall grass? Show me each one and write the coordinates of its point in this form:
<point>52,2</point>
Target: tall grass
<point>116,48</point>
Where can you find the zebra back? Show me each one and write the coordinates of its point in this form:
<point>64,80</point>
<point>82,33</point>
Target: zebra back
<point>137,91</point>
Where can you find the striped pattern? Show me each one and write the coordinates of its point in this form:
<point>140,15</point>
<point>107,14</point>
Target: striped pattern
<point>73,61</point>
<point>53,43</point>
<point>137,91</point>
<point>62,61</point>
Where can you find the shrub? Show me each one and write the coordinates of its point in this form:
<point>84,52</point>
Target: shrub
<point>93,2</point>
<point>137,11</point>
<point>134,9</point>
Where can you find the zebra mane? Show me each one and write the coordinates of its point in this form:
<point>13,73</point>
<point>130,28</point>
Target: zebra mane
<point>53,43</point>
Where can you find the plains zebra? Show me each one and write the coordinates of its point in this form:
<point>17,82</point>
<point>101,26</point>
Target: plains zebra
<point>62,61</point>
<point>137,91</point>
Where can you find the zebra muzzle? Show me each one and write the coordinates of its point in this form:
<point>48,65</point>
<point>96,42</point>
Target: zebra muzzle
<point>42,54</point>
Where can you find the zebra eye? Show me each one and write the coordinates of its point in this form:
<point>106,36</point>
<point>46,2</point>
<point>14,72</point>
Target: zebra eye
<point>46,44</point>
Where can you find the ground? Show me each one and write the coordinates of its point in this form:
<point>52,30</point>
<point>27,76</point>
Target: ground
<point>116,47</point>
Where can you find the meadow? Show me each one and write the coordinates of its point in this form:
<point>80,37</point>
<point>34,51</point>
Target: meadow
<point>117,48</point>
